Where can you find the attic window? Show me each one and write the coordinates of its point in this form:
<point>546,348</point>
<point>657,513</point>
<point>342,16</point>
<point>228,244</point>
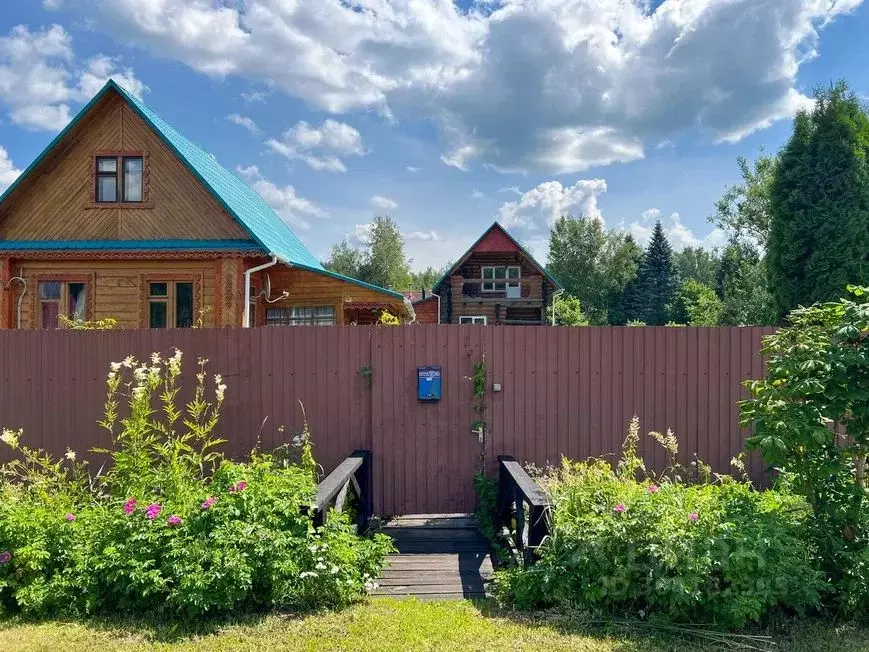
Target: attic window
<point>119,178</point>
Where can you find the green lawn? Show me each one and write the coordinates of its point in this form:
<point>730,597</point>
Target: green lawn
<point>394,625</point>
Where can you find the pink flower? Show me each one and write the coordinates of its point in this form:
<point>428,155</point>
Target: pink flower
<point>5,557</point>
<point>619,508</point>
<point>693,516</point>
<point>70,517</point>
<point>153,511</point>
<point>653,488</point>
<point>208,502</point>
<point>130,506</point>
<point>174,520</point>
<point>241,486</point>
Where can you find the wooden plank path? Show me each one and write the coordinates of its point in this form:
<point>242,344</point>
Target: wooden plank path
<point>440,557</point>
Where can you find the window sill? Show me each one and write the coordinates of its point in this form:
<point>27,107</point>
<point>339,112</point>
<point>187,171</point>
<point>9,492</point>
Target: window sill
<point>125,206</point>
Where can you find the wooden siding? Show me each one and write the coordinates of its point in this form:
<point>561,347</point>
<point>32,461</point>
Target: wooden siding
<point>55,201</point>
<point>117,289</point>
<point>426,311</point>
<point>564,391</point>
<point>311,289</point>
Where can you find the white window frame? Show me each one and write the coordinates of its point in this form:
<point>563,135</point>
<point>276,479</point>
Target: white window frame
<point>473,319</point>
<point>500,284</point>
<point>324,315</point>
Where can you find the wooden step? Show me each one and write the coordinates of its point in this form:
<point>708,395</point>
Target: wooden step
<point>436,577</point>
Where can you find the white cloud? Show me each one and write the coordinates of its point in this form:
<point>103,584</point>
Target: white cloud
<point>412,169</point>
<point>476,194</point>
<point>552,86</point>
<point>426,236</point>
<point>384,203</point>
<point>284,200</point>
<point>323,147</point>
<point>253,97</point>
<point>679,235</point>
<point>244,121</point>
<point>360,233</point>
<point>540,207</point>
<point>52,4</point>
<point>8,172</point>
<point>41,79</point>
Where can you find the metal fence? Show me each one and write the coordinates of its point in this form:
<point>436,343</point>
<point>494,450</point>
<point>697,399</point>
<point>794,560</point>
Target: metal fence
<point>561,392</point>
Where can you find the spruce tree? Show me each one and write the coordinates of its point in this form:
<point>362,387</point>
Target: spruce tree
<point>819,235</point>
<point>657,282</point>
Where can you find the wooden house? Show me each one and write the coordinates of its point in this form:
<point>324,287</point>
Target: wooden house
<point>123,217</point>
<point>496,281</point>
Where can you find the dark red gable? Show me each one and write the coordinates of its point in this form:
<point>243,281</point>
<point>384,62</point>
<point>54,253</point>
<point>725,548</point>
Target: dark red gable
<point>496,240</point>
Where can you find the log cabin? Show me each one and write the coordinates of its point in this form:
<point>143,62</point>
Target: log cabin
<point>496,281</point>
<point>122,217</point>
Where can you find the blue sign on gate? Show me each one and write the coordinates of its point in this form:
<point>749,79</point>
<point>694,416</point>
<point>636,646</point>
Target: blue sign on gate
<point>429,383</point>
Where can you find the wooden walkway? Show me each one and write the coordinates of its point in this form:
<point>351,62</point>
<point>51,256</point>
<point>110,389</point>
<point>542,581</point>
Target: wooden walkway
<point>440,557</point>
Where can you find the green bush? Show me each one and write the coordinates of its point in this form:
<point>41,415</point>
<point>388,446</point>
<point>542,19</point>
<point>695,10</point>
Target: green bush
<point>173,526</point>
<point>720,553</point>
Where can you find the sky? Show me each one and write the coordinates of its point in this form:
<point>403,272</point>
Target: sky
<point>445,115</point>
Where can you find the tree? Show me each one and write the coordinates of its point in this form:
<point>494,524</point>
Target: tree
<point>345,259</point>
<point>426,278</point>
<point>819,233</point>
<point>741,285</point>
<point>386,264</point>
<point>817,376</point>
<point>568,312</point>
<point>696,304</point>
<point>744,210</point>
<point>592,264</point>
<point>696,263</point>
<point>656,283</point>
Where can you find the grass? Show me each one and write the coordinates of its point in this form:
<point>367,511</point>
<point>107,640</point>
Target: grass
<point>384,625</point>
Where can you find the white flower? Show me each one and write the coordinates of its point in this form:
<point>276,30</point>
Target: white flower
<point>313,548</point>
<point>219,392</point>
<point>297,440</point>
<point>218,379</point>
<point>129,362</point>
<point>138,391</point>
<point>116,366</point>
<point>371,586</point>
<point>307,574</point>
<point>335,570</point>
<point>10,437</point>
<point>70,455</point>
<point>112,375</point>
<point>155,358</point>
<point>320,566</point>
<point>140,373</point>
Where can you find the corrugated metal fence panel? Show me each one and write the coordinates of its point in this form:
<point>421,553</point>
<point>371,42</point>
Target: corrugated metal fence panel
<point>564,392</point>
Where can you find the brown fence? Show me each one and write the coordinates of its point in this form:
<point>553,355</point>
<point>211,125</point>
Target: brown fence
<point>563,391</point>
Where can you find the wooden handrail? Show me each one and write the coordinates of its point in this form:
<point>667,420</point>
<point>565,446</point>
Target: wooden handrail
<point>353,473</point>
<point>516,489</point>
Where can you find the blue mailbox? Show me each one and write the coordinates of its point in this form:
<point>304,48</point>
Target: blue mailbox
<point>428,386</point>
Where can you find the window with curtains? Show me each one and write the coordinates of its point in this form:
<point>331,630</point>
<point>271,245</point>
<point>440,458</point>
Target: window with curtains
<point>170,304</point>
<point>61,298</point>
<point>119,179</point>
<point>301,316</point>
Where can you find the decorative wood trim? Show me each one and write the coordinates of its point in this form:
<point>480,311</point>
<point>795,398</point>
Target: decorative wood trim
<point>145,254</point>
<point>218,292</point>
<point>6,318</point>
<point>147,277</point>
<point>33,289</point>
<point>125,206</point>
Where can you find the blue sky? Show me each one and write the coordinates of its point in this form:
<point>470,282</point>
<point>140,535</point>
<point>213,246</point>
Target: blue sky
<point>445,116</point>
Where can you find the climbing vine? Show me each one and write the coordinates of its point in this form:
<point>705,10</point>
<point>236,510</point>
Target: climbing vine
<point>366,373</point>
<point>479,381</point>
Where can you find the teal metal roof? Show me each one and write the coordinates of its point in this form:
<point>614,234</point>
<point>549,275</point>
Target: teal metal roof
<point>127,245</point>
<point>238,199</point>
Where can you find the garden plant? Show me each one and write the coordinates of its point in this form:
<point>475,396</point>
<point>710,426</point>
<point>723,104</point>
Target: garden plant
<point>172,525</point>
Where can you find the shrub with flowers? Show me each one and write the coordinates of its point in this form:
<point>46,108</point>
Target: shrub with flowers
<point>172,526</point>
<point>622,540</point>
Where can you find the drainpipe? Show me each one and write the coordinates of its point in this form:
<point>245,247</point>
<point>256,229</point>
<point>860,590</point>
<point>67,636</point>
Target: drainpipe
<point>555,296</point>
<point>439,304</point>
<point>245,316</point>
<point>20,297</point>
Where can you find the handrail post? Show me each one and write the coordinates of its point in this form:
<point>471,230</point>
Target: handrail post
<point>505,493</point>
<point>365,478</point>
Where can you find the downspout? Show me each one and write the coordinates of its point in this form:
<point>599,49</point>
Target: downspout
<point>555,296</point>
<point>439,305</point>
<point>245,315</point>
<point>20,297</point>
